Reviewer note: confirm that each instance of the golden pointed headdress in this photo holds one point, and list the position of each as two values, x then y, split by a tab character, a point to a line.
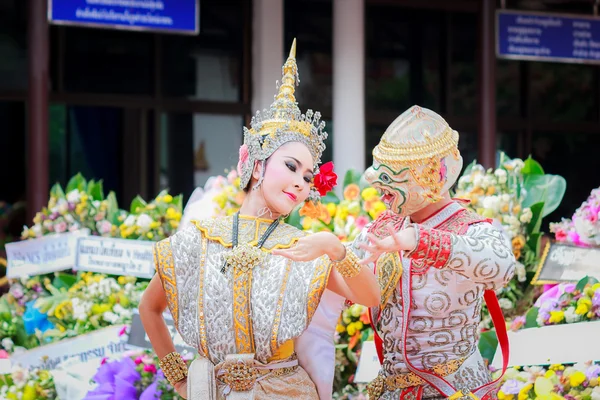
282	123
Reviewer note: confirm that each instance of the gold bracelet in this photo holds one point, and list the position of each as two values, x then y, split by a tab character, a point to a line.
173	367
348	267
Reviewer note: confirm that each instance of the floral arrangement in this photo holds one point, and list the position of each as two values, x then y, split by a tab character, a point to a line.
344	217
85	207
22	384
569	303
352	330
133	377
67	307
578	381
228	196
583	229
518	194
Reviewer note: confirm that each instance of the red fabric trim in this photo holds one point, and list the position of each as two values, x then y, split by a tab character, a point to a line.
433	250
377	339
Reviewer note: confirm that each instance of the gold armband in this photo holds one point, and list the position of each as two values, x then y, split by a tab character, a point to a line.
348	267
174	368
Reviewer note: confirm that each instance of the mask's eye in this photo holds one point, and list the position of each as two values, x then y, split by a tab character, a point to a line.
385	178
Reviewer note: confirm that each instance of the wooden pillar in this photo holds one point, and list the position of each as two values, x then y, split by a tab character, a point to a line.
487	84
37	108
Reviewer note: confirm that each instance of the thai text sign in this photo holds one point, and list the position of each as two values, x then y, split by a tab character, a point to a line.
177	16
103	343
43	255
115	256
567	263
547	37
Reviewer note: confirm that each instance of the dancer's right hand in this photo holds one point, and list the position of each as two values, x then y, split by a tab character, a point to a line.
181	388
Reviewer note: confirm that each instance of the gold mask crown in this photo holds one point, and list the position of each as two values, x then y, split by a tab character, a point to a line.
282	123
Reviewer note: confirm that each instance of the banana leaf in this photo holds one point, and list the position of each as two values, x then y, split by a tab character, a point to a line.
549	189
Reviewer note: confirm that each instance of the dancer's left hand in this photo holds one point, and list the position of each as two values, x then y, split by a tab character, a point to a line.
404	240
313	246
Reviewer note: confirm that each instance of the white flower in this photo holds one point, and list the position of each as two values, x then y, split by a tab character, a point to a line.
505	304
526	216
492	203
69	218
81	309
501	175
37	229
571	316
521	272
596	393
73	196
110	317
8	344
130	221
19	376
144	221
505	197
62	206
478	181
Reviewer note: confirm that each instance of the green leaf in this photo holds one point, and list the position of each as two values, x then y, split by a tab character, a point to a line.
95	190
536	220
352	176
531	318
532	167
469	168
534	242
178	203
64	281
76	183
112	209
549	189
330	197
488	343
57	191
137	205
294	218
588	280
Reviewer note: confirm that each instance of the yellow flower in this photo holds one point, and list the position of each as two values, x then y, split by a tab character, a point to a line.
236	182
596	286
378	208
577	379
340	328
332	208
584	305
491	190
518	242
172	214
29	393
38	218
524	392
307	223
369	193
158	199
516	209
174	224
150	235
593	382
504	396
351	192
351	329
167	198
122	281
556	317
359	325
154	224
549	374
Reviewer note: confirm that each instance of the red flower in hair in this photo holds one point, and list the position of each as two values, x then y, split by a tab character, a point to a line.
326	179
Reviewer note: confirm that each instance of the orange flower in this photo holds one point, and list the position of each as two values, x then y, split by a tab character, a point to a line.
315	211
354	341
364	318
351	192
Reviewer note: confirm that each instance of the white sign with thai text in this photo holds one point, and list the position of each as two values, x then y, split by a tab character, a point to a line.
106	342
43	255
115	256
368	365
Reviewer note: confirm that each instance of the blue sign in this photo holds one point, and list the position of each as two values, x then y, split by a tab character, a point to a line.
177	16
547	37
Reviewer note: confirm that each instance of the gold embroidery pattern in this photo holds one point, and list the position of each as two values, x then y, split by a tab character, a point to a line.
165	266
389	271
242	323
202	320
317	286
277	320
250	230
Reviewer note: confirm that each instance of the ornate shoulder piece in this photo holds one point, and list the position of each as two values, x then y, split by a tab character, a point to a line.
459	222
379	226
389	271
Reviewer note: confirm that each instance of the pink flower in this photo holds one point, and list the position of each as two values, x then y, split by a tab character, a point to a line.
244	155
231	176
443	170
560	235
104	360
3	354
60	227
517	323
150	368
361	221
138	361
123	331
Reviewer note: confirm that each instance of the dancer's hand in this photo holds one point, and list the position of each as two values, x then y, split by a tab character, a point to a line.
313	246
181	388
404	240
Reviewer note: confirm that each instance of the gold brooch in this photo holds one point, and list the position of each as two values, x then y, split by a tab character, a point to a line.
245	257
240	376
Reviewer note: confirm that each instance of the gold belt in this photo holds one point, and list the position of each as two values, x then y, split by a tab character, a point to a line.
242	375
382	383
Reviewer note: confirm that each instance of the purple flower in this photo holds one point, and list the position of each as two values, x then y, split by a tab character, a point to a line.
152	391
593	371
512	386
116	380
596	299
